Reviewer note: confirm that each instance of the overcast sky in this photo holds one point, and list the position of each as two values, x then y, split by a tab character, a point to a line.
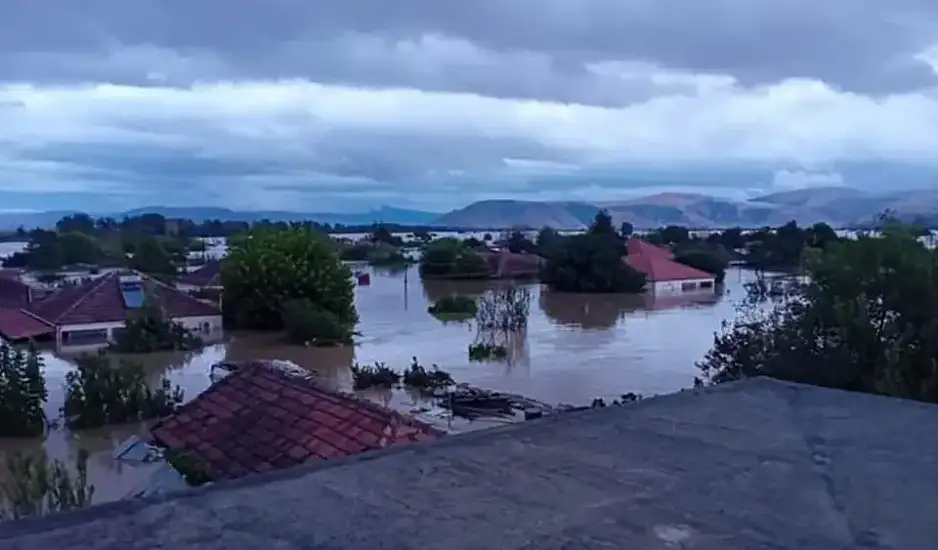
344	105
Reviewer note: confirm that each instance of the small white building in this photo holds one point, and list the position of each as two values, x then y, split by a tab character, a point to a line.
663	273
88	316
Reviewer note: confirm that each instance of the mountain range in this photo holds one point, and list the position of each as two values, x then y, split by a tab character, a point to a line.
837	206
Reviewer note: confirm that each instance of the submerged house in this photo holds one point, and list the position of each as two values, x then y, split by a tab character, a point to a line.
663	273
89	314
505	264
206	277
17	323
261	418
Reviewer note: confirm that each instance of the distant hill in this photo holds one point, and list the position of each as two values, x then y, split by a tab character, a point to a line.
838	206
509	213
386	214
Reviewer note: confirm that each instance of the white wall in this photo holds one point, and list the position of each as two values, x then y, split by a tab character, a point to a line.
677	287
195	324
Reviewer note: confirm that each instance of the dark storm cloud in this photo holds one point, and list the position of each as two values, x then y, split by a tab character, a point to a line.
519	48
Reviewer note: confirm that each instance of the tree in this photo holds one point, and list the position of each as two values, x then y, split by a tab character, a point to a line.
78	223
151	258
268	267
22	392
602	224
704	260
517	243
626	229
548	241
592	262
864	320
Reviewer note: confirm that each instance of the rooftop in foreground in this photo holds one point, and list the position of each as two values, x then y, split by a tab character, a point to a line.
758	464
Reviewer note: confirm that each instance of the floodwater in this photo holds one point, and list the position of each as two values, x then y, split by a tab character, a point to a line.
576	348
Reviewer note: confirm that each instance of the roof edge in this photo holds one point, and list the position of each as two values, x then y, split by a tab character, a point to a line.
13	529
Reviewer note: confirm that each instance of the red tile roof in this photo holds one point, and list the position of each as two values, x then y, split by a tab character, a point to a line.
659	269
207	275
100	301
657	263
13	292
260	418
508	264
645	248
19	324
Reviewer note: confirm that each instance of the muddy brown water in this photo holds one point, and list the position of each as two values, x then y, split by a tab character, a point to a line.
575	348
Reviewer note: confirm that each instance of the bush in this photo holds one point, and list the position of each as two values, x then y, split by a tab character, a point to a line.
97	394
454	305
378	375
705	261
418	376
487	351
307	323
150	330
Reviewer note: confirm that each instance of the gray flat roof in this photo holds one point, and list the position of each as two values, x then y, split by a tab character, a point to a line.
757	464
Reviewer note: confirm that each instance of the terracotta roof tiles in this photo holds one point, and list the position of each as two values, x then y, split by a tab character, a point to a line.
259	418
207	275
100	301
19	324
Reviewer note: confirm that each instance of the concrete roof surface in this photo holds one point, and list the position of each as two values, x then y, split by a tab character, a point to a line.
752	465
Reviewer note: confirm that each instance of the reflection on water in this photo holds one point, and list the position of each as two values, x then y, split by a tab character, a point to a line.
575	348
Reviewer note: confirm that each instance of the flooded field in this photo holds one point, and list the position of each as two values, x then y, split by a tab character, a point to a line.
576	348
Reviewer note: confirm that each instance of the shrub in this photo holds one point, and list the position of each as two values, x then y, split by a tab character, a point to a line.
454	305
307	323
418	376
150	330
97	394
378	375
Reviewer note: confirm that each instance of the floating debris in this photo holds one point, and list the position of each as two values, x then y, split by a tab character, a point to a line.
470	402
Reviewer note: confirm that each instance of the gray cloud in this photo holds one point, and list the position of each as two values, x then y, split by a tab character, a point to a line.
220	102
524	48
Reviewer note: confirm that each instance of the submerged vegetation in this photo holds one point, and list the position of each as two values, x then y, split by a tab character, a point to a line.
454	308
501	316
416	376
22	393
150	330
32	485
97	394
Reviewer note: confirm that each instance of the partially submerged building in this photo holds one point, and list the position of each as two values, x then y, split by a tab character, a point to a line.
663	274
88	315
262	418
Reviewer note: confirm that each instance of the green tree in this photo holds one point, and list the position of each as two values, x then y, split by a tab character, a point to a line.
151	258
602	224
864	320
592	262
22	392
626	229
704	260
268	267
